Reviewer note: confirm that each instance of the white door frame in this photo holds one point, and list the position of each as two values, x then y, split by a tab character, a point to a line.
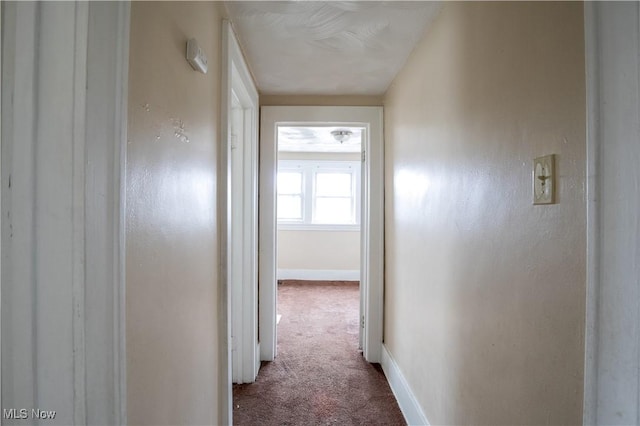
238	222
372	222
612	334
64	122
1	209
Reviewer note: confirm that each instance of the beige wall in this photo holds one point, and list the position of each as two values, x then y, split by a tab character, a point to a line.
172	288
485	293
326	250
319	250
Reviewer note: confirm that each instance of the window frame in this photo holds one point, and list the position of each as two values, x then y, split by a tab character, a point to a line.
309	168
300	195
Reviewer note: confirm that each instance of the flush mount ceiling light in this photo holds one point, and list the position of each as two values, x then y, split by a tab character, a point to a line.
341	135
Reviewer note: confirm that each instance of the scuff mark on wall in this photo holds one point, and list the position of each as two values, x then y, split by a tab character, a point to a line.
179	130
163	126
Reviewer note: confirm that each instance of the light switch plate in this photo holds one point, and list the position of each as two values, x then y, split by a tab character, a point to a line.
544	180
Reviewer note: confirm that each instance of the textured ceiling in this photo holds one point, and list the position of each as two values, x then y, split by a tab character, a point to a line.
328	48
317	139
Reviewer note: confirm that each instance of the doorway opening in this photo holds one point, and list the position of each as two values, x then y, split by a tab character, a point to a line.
368	122
320	226
318	187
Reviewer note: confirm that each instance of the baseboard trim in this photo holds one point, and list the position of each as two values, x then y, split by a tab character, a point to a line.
319	274
407	401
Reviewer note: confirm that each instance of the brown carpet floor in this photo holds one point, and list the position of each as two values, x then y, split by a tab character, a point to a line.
319	377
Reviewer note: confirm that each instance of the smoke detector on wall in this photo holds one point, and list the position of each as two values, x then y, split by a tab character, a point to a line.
196	56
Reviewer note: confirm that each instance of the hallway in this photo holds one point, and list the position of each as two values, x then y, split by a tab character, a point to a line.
508	293
319	376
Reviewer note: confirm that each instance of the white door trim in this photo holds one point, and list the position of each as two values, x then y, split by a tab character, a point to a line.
106	156
63	143
243	277
612	333
372	243
238	186
1	209
592	209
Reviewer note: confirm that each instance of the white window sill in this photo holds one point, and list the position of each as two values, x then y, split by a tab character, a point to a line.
316	227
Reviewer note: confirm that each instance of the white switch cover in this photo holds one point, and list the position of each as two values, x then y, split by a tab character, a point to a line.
544	180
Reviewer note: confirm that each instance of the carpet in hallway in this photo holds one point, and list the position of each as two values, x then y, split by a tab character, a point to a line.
318	377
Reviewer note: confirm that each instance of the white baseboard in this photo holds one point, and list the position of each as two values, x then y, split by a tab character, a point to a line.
319	274
409	406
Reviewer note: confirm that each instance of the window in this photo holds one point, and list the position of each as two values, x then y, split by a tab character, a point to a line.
290	195
318	194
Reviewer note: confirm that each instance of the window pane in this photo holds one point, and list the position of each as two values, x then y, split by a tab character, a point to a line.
290	207
333	210
333	184
289	182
